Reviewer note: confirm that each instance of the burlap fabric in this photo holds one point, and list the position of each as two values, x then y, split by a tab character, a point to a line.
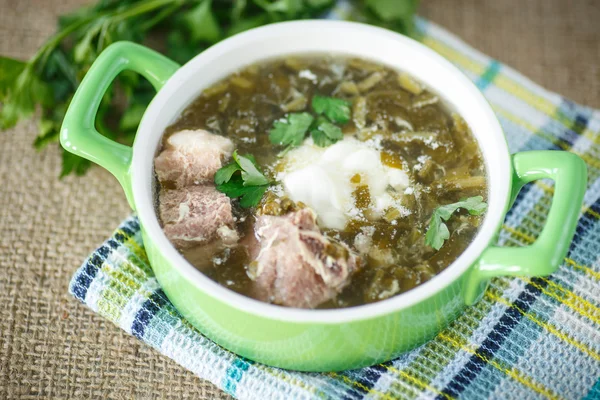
53	347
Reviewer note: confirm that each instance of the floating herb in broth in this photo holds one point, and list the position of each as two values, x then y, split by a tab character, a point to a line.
249	185
437	232
408	165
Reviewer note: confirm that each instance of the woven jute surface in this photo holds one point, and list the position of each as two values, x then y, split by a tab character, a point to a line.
53	347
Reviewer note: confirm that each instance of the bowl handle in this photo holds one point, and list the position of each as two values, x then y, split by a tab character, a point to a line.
545	255
78	134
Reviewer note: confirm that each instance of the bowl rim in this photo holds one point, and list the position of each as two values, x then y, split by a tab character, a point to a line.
140	180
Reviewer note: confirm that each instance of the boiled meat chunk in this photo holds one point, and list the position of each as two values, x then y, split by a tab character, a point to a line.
196	215
295	264
192	157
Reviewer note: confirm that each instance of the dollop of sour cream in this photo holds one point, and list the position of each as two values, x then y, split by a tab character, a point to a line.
322	179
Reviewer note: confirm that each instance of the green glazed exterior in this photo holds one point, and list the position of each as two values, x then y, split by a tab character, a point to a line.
307	346
324	346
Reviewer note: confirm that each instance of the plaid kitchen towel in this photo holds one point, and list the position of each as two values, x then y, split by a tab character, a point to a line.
527	338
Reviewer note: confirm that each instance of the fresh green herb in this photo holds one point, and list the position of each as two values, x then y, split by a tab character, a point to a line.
249	196
437	232
202	23
393	10
224	174
9	71
337	110
49	79
291	131
325	133
396	15
250	173
249	185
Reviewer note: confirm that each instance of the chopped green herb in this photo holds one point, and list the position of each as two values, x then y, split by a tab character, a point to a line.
253	195
202	23
291	132
325	133
250	173
337	110
249	195
249	185
321	139
225	173
437	232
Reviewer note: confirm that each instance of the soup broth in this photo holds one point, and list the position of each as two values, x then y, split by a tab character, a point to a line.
403	153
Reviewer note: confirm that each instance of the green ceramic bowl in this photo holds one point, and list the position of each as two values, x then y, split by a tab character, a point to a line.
323	340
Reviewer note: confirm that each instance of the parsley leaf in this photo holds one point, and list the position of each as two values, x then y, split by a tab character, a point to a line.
337	110
291	132
9	71
225	173
437	232
474	205
325	133
202	23
250	173
234	187
249	195
252	195
396	15
389	10
249	185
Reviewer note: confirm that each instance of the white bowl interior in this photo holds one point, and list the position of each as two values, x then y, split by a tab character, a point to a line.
330	37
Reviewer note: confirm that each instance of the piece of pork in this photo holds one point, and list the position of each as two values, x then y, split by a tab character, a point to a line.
295	264
191	157
197	215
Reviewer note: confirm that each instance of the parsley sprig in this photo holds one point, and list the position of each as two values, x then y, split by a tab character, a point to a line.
438	232
182	28
325	133
292	130
337	110
249	184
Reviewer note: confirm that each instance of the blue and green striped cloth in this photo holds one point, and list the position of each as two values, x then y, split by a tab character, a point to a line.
526	339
